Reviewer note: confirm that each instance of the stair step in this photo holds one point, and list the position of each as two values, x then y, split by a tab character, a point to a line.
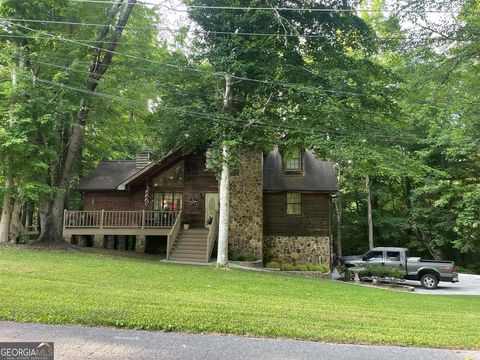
193	253
195	231
194	235
189	246
187	259
191	240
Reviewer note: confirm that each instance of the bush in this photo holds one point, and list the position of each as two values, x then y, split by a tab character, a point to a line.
303	267
273	265
382	272
243	258
346	273
24	239
286	267
469	269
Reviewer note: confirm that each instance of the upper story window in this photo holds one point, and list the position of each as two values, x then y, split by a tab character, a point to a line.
171	177
292	160
294	204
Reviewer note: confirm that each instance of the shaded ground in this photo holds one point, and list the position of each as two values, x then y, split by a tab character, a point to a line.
74	342
63	246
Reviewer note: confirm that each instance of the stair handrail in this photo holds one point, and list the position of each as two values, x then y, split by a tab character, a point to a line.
212	235
172	235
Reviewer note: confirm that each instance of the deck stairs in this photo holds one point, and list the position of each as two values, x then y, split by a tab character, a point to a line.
190	246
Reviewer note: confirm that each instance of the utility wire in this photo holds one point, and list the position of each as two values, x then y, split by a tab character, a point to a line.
245	8
251	34
254	122
180	67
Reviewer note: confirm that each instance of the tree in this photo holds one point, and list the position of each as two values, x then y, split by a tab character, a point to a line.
68	120
278	86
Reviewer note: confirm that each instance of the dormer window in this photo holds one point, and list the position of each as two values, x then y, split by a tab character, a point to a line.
292	161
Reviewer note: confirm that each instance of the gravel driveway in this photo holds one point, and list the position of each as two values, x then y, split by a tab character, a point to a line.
467	285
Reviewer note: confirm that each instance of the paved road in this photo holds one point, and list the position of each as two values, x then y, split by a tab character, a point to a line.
75	342
467	285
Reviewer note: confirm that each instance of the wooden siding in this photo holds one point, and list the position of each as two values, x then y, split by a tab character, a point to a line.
108	200
315	218
197	182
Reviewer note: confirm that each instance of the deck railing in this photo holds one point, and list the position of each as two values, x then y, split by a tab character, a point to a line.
172	236
212	236
101	219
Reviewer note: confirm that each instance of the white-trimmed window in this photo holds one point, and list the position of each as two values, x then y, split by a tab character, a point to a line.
292	160
294	203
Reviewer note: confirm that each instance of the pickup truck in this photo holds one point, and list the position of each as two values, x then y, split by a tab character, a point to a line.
428	272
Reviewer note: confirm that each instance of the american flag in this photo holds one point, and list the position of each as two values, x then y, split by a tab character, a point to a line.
147	195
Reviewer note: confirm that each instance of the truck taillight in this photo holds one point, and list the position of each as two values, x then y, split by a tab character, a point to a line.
454	268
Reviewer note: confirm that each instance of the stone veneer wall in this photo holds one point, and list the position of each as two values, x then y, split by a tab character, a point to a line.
297	249
246	207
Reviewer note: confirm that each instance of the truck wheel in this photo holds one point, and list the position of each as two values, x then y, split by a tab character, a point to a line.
429	281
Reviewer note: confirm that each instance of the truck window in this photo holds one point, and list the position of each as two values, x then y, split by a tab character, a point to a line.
393	255
374	255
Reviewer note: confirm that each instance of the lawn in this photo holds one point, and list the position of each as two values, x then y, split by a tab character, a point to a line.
58	287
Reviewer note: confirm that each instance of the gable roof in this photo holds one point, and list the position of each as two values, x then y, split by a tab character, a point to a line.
317	175
108	175
116	175
155	166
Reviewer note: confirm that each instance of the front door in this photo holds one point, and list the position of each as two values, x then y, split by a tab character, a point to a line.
211	207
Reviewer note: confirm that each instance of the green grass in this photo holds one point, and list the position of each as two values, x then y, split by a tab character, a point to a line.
57	287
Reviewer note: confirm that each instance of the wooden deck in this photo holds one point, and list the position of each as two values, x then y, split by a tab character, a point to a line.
105	222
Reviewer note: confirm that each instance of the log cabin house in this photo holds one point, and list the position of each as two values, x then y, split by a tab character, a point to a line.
280	207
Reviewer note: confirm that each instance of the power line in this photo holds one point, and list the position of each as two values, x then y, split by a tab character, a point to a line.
304	87
204	94
272	8
251	34
288	85
254	122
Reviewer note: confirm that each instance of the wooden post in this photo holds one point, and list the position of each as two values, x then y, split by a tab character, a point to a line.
168	247
369	212
64	218
102	215
143	219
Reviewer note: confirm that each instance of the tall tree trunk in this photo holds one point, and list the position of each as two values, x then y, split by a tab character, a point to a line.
52	211
7	197
224	218
16	226
370	217
338	210
6	212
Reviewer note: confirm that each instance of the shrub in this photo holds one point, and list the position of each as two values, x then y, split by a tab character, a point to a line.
24	239
300	267
286	267
321	267
382	272
243	258
273	265
346	273
469	269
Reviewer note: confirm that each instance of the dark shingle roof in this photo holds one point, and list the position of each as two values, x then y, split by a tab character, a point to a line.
108	175
317	175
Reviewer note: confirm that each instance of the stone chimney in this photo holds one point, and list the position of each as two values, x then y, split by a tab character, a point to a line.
143	159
